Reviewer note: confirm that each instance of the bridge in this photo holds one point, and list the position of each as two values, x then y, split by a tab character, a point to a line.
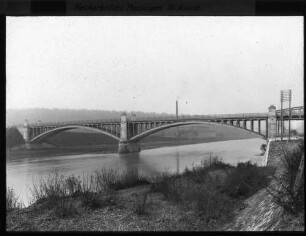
130	130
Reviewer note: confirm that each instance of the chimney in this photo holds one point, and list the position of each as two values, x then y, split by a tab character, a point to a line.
176	109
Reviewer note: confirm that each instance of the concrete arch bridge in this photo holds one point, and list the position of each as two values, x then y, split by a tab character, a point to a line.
129	130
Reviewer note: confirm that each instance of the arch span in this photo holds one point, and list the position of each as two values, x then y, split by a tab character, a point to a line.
69	127
167	126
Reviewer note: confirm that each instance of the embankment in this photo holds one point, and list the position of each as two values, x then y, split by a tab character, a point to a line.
261	213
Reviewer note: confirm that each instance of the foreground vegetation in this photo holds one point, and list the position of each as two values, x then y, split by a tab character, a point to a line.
204	197
288	184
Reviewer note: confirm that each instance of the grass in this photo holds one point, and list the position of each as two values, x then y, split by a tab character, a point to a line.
57	192
212	190
140	203
12	201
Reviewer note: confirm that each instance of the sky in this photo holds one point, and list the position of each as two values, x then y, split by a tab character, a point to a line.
212	65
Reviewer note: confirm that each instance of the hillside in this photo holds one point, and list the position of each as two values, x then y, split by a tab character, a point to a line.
13	137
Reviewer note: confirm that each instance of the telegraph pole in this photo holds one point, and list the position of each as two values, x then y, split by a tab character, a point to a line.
289	113
281	115
285	96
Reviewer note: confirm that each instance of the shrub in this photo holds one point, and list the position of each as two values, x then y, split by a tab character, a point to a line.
109	178
263	148
12	201
88	193
283	190
50	188
200	174
73	185
197	190
170	186
245	180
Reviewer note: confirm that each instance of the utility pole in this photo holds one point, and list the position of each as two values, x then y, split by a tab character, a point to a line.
281	116
285	96
289	113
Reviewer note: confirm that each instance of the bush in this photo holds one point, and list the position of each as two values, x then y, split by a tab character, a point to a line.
73	185
88	192
109	178
200	174
55	192
169	187
245	179
54	189
12	201
239	182
283	191
263	148
50	188
197	190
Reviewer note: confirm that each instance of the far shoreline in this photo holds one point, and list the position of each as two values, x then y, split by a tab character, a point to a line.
108	148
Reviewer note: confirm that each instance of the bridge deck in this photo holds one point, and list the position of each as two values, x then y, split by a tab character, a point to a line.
296	113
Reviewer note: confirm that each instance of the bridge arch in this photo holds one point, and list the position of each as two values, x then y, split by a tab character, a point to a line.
167	126
69	127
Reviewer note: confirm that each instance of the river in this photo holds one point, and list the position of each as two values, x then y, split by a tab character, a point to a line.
21	172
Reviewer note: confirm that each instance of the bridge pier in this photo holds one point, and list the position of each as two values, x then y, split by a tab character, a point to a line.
25	132
126	146
271	122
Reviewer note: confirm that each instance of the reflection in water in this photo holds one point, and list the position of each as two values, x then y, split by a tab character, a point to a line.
130	165
177	162
21	170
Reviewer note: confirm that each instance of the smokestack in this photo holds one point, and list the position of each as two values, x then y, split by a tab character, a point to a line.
176	109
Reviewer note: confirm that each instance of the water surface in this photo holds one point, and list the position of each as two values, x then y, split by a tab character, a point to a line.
22	171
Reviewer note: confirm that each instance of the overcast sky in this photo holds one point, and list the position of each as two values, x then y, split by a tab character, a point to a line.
211	64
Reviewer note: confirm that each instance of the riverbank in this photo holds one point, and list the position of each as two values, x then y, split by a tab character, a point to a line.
201	199
260	211
107	148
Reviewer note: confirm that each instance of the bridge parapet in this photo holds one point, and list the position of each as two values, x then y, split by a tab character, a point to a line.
80	122
294	112
199	117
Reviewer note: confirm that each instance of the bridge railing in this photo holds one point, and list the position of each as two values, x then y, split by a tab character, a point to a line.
200	117
299	108
294	110
79	122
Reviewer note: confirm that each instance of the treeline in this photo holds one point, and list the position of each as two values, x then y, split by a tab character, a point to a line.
17	116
